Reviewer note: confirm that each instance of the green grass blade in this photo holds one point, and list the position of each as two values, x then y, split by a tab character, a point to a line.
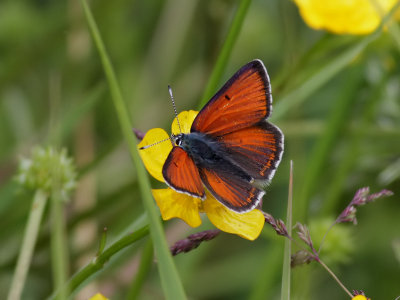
171	283
98	263
73	116
300	94
226	51
59	249
285	290
392	26
337	121
28	245
297	96
353	144
146	262
270	266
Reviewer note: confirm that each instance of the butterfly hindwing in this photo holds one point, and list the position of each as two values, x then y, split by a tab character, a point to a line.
257	150
231	190
242	102
181	173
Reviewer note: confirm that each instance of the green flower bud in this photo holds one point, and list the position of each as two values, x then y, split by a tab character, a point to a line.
47	169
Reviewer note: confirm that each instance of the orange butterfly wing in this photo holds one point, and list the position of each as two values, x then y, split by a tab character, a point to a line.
232	191
257	149
251	147
242	102
181	174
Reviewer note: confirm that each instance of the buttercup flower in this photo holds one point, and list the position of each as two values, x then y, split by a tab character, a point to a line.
98	296
178	205
344	16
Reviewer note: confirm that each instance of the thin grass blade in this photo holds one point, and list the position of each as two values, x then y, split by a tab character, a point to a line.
226	51
285	290
170	281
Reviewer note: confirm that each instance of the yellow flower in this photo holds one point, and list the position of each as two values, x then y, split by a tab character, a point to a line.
98	296
359	297
344	16
178	205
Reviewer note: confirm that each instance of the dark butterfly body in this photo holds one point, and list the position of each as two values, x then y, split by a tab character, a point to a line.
231	148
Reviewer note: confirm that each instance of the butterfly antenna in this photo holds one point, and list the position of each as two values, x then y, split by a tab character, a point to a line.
156	143
173	105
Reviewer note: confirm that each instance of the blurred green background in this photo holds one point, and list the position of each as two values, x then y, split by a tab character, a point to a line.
336	99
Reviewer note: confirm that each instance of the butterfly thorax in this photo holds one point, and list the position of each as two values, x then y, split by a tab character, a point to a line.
201	148
208	153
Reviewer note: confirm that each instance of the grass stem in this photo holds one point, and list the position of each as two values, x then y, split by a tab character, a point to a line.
225	52
335	277
59	257
285	290
146	261
98	262
170	281
28	245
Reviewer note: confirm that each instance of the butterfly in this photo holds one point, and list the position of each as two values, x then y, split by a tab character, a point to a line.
231	150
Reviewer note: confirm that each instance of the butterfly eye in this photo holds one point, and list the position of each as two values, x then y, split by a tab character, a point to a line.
178	141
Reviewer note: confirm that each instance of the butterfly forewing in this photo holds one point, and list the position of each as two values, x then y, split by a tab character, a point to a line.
180	173
242	102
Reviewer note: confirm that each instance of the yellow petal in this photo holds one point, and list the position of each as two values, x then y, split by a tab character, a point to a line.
247	225
186	119
98	296
177	205
154	157
344	16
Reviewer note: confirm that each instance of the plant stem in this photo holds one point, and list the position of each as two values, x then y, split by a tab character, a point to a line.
28	245
285	289
334	277
98	262
324	237
314	254
298	95
59	257
170	280
225	52
146	261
